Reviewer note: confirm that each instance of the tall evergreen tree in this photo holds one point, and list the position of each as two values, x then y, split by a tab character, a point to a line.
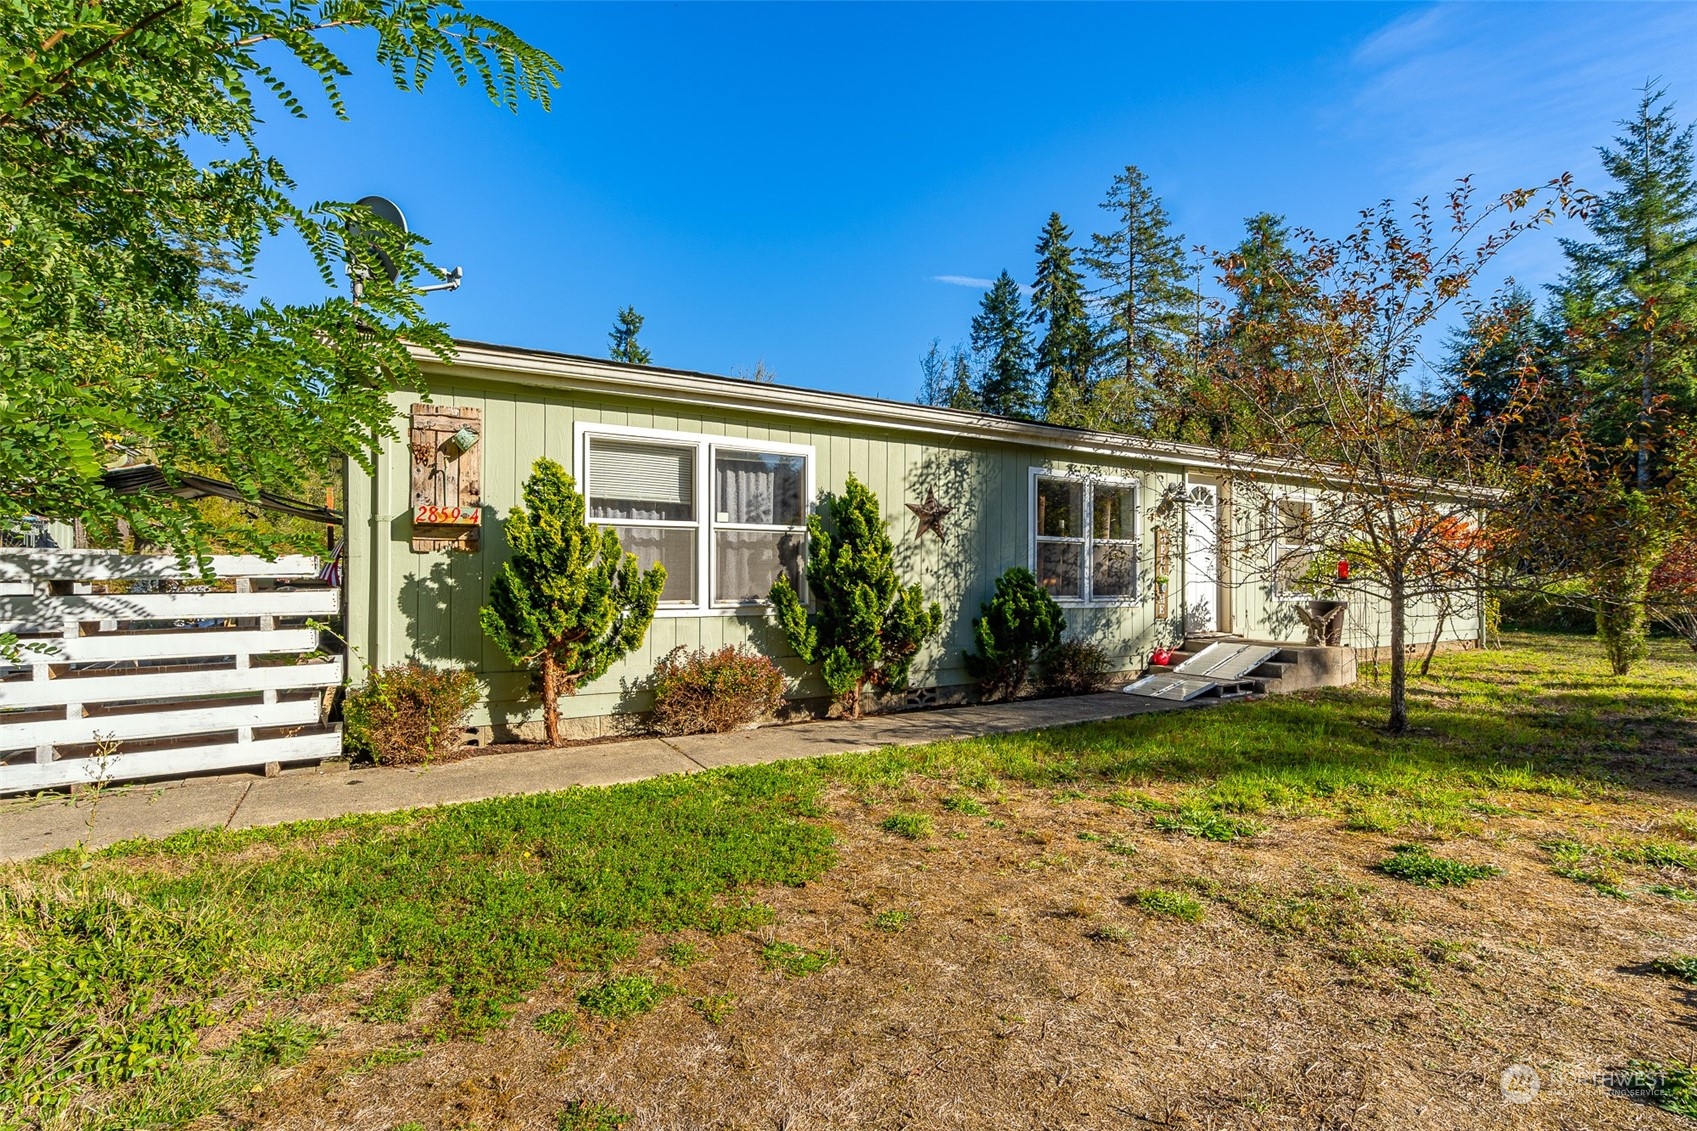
1146	290
946	378
622	343
1630	294
1000	336
1628	305
1488	359
1059	310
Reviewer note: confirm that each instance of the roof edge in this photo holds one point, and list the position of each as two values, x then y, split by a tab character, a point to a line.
545	367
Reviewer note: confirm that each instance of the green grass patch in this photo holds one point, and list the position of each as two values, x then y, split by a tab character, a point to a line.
892	920
913	826
1671	1086
1160	901
796	961
1415	864
966	805
622	996
681	954
1681	966
715	1009
561	1024
1209	824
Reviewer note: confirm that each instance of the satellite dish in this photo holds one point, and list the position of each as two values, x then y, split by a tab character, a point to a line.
390	213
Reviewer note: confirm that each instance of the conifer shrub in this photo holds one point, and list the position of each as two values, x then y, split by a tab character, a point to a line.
1075	667
410	713
866	624
1017	625
569	602
702	692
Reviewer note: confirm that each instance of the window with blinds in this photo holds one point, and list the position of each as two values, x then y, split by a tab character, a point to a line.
646	492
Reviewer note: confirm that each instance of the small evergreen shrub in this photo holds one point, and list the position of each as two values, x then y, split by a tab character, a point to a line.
569	601
865	623
1016	626
704	692
409	713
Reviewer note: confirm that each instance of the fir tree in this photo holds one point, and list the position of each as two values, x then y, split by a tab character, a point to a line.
1630	294
1066	349
1629	310
963	392
1000	337
622	343
1488	360
946	378
867	625
568	603
1151	305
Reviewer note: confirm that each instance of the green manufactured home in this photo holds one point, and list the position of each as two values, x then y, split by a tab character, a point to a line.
1138	540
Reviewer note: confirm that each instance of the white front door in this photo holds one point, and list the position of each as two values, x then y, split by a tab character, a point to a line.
1201	558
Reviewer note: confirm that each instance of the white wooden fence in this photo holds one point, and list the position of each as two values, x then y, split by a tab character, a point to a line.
131	668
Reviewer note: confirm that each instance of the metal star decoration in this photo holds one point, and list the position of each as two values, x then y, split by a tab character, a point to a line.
931	514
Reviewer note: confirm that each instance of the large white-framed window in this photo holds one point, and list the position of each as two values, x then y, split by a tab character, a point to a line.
1084	537
724	516
1293	547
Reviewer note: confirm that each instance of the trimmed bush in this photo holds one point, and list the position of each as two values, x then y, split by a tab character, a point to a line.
409	713
704	692
1075	667
1017	625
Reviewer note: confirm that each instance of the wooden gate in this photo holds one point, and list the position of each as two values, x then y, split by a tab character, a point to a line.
130	666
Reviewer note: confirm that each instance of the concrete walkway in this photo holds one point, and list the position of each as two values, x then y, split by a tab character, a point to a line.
31	826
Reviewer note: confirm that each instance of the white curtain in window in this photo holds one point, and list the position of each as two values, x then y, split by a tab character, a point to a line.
761	490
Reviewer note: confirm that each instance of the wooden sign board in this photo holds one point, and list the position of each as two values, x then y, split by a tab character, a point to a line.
447	484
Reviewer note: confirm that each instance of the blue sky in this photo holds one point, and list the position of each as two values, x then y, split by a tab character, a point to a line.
818	186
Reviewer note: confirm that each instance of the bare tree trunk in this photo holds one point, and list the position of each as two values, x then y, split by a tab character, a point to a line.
551	698
1437	634
1398	723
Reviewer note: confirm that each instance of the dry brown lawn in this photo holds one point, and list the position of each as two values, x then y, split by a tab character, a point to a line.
1028	989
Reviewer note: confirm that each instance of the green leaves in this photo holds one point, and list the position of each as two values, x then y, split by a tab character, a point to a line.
868	625
1017	625
124	333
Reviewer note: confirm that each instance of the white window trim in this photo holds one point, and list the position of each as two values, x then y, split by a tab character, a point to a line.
1276	546
1086	599
707	512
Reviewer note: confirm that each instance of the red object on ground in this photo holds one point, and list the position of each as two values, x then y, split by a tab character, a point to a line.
1343	569
1161	656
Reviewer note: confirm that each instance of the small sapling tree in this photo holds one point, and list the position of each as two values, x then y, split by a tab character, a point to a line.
867	624
1017	625
569	602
